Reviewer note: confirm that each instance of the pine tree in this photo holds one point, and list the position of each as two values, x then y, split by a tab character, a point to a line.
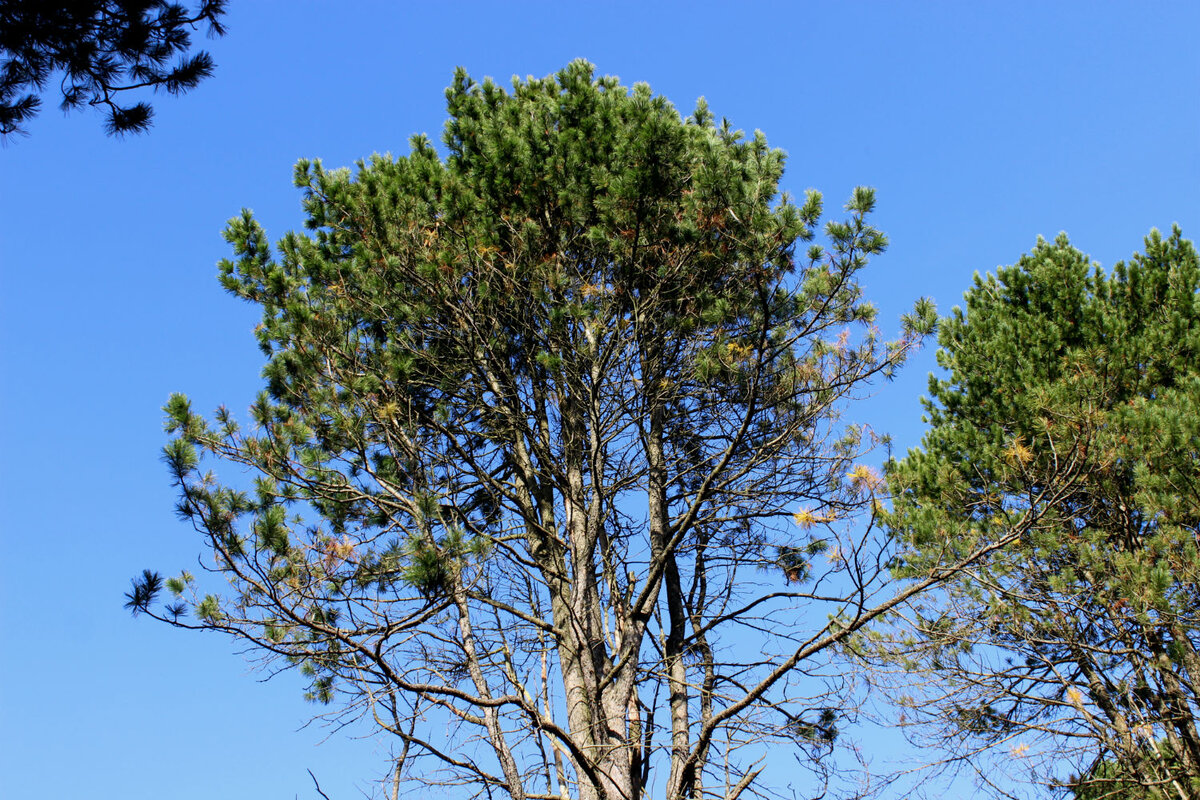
550	447
103	48
1069	416
1108	780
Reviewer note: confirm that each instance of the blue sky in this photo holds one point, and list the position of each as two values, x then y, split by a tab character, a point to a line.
981	124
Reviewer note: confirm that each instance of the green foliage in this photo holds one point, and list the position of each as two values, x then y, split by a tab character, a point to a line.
145	590
103	48
1108	780
529	409
1066	430
824	729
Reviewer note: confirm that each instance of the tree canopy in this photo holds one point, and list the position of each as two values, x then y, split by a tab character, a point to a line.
1068	408
550	483
102	49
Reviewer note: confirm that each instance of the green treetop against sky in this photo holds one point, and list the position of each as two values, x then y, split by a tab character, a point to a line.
979	127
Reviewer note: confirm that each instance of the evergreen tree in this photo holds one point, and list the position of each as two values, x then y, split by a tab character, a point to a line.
103	48
550	447
1068	416
1107	780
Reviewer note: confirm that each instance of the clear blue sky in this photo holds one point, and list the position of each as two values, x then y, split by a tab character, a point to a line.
982	125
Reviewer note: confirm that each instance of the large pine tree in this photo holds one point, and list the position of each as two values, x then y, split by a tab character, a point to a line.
549	447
